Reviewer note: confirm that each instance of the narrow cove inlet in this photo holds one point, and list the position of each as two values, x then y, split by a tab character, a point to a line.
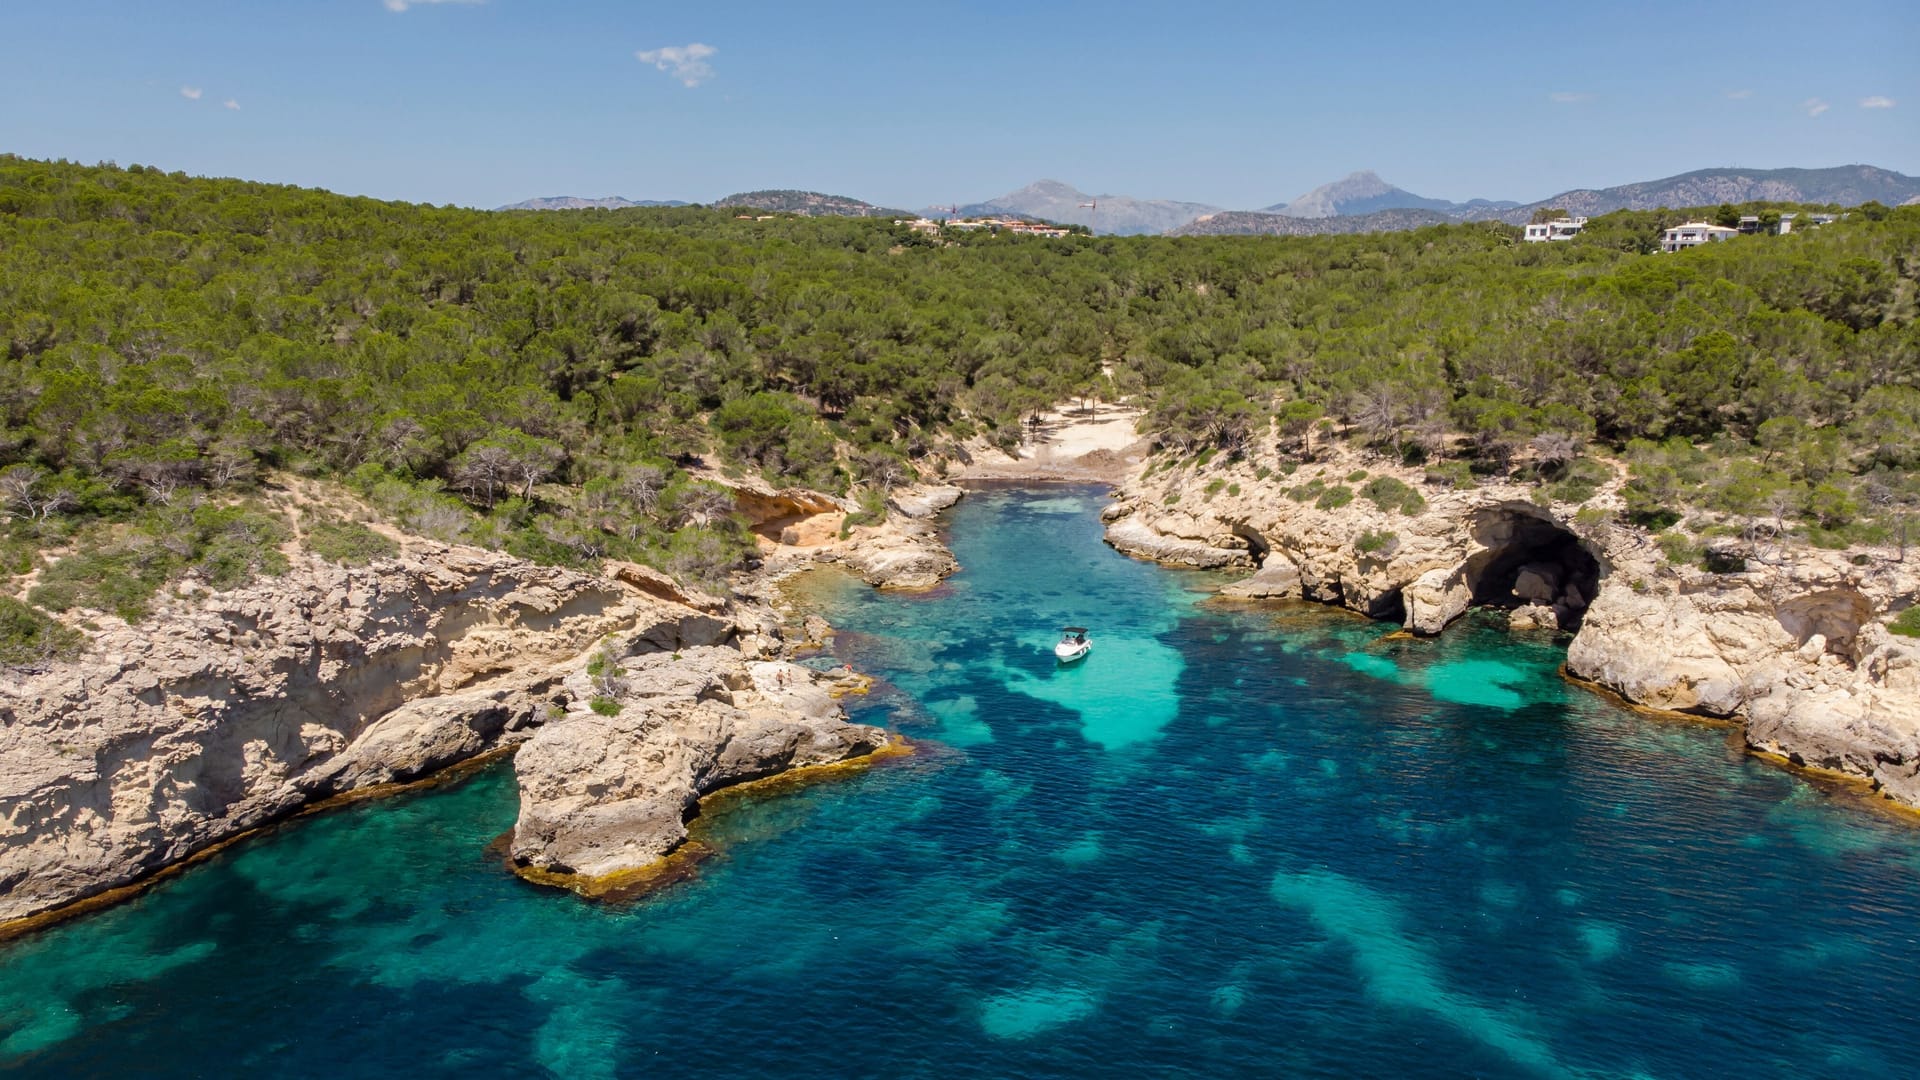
1234	840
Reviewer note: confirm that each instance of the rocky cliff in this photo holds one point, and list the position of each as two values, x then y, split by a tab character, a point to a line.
226	711
1788	639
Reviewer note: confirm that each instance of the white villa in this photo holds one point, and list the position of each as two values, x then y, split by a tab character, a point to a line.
1693	234
1557	229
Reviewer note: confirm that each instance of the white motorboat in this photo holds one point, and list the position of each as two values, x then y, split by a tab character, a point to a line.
1073	644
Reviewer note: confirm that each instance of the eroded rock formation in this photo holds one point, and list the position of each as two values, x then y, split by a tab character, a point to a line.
226	711
1791	641
605	794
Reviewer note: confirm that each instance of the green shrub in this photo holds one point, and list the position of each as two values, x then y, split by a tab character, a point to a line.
1262	473
1454	474
872	511
28	637
1679	548
1335	497
605	706
1580	481
349	543
1390	494
1591	516
1172	499
1907	623
1356	476
1233	489
1213	487
122	580
1370	542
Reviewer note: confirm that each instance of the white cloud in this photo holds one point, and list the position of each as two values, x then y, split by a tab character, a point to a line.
402	5
1877	102
1739	95
1569	97
688	63
232	104
191	93
1814	106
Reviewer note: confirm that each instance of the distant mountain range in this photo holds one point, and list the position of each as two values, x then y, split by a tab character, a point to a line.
575	202
1845	185
808	203
1360	202
1365	196
1121	215
1366	193
1268	223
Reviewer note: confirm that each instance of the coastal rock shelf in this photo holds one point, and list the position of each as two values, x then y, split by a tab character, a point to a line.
1792	642
602	796
226	711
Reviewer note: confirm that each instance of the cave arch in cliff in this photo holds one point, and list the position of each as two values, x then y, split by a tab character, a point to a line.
1529	558
1836	615
1257	547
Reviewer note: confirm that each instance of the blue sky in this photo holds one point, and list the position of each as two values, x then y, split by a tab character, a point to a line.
482	102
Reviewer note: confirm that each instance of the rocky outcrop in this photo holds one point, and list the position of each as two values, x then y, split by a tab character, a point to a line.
606	795
226	711
1861	719
1788	640
904	551
1436	598
1179	543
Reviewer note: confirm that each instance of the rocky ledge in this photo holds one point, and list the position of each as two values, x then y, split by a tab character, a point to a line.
607	792
799	528
1788	640
226	711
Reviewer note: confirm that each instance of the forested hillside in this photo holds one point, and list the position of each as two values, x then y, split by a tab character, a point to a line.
539	381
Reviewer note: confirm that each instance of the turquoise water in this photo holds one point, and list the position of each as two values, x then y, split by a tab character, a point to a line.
1233	841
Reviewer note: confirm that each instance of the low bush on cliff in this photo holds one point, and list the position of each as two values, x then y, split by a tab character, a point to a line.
1390	494
29	638
349	543
872	511
1907	623
1334	497
120	570
1372	542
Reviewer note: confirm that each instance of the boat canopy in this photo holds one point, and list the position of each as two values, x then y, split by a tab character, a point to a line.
1073	629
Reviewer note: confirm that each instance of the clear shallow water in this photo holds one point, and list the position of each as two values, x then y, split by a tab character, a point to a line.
1231	842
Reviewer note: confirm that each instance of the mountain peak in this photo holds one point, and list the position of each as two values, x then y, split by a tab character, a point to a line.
1054	200
1360	192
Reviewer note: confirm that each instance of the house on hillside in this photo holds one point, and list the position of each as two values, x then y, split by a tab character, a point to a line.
1693	234
1557	229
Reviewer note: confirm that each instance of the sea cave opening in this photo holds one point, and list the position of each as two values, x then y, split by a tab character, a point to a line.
1532	566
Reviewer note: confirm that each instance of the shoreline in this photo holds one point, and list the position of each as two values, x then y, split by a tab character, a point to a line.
765	595
682	862
1788	652
27	925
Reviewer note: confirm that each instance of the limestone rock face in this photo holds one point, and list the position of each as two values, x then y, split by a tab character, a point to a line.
1277	579
1135	537
925	502
900	554
604	794
1789	639
225	711
1435	599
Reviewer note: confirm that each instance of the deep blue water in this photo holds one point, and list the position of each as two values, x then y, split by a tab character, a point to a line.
1234	841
